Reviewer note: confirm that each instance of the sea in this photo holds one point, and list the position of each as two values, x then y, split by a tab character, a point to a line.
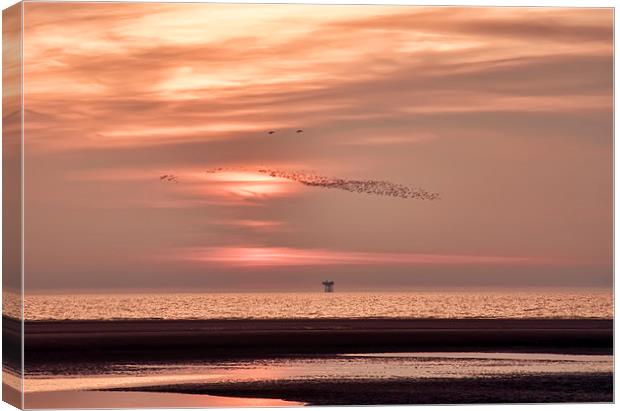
287	305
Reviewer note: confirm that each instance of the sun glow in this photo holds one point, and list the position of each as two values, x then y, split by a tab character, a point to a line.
284	256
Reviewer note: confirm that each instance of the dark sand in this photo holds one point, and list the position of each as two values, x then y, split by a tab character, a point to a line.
176	339
515	389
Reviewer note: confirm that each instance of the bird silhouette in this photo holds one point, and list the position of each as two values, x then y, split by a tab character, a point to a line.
299	131
169	178
214	170
271	132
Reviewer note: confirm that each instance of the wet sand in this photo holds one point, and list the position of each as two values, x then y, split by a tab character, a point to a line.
550	388
175	339
127	399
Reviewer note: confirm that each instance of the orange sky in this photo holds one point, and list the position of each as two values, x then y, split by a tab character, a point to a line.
506	112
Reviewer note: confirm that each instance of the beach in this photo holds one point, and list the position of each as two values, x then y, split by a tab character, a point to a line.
315	361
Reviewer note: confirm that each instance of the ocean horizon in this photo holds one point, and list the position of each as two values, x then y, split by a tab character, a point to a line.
549	304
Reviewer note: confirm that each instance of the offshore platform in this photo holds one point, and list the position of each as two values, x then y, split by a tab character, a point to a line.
329	286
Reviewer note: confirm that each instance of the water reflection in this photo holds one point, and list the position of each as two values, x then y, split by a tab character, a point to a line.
99	400
350	366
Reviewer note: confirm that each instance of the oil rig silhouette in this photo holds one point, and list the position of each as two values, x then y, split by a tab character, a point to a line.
329	286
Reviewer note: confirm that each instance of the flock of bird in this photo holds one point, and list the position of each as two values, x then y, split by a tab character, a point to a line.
169	178
374	187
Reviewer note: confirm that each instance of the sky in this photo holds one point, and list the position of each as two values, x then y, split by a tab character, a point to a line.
505	114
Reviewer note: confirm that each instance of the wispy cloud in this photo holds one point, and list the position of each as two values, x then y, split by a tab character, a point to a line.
283	256
166	82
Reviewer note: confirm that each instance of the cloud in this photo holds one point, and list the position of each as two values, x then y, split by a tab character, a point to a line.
163	86
522	24
391	140
283	256
258	224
